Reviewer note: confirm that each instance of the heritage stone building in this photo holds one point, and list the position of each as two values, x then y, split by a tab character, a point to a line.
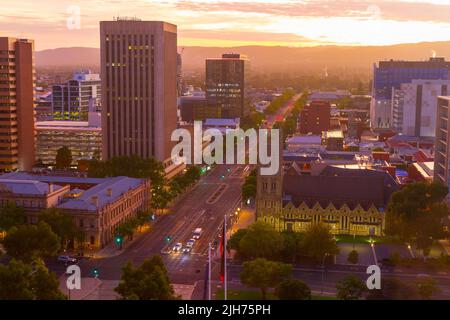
349	201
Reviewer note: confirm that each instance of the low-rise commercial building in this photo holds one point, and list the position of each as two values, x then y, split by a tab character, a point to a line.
98	211
83	138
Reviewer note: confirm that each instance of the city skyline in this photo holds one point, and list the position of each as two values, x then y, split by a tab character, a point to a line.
242	22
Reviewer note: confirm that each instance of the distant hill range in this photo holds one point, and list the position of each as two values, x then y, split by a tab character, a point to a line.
267	58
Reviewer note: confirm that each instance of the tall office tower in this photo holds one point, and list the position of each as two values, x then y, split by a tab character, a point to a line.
225	84
17	84
139	87
442	143
389	75
74	99
414	107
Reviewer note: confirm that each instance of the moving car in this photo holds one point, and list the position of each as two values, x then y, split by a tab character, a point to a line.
177	247
67	259
187	250
190	243
197	233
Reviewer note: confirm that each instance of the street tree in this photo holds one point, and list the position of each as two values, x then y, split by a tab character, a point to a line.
235	239
62	224
20	281
28	242
415	213
292	245
264	274
292	289
353	257
261	241
146	282
11	216
318	242
350	288
394	289
63	158
426	287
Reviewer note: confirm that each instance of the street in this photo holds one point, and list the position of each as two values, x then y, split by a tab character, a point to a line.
193	210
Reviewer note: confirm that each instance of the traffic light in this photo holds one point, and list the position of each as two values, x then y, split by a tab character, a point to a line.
95	272
118	240
168	238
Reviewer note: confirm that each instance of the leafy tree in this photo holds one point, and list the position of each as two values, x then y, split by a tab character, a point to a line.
128	228
426	287
28	242
146	282
293	290
292	245
394	289
264	274
318	242
14	281
415	213
261	241
248	191
249	186
11	216
19	281
279	102
62	224
235	239
350	288
353	257
45	284
192	174
63	158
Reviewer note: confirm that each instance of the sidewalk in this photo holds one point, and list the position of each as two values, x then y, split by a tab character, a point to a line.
112	250
88	286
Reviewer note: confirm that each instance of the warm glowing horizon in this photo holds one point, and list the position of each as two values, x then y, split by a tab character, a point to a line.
219	23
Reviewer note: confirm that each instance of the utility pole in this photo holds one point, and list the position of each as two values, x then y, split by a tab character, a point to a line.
209	271
225	287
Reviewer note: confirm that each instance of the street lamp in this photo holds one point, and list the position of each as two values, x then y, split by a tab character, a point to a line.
323	270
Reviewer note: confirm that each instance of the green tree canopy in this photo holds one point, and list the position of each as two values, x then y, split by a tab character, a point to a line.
292	245
261	241
293	290
146	282
394	289
62	224
264	274
29	242
318	242
415	213
63	158
426	287
350	288
11	216
19	281
353	257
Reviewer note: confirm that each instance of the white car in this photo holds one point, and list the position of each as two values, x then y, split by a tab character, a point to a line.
187	250
177	247
67	259
190	243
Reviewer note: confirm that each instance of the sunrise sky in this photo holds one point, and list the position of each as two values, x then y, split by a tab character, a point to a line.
237	22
